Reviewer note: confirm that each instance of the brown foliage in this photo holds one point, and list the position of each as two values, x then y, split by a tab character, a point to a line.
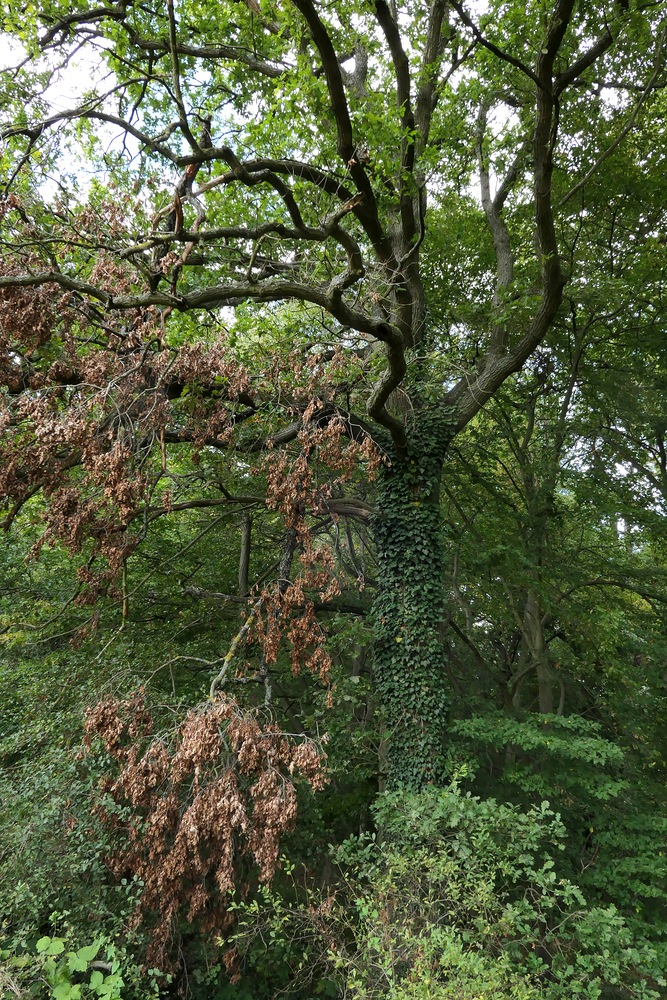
95	400
199	814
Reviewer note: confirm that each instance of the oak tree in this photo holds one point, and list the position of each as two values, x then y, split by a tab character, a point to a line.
317	238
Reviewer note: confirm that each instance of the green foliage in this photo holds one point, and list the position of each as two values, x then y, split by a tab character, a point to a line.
501	616
456	897
561	756
467	897
407	612
99	971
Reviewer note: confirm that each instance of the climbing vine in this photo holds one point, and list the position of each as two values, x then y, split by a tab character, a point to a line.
407	614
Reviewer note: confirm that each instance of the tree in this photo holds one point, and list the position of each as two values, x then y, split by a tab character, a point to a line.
311	226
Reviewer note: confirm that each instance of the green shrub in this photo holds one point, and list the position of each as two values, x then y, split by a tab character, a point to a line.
463	898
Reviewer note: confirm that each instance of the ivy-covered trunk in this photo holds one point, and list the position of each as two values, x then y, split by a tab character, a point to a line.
408	612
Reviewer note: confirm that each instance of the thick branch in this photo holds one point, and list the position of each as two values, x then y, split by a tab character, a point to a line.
64	24
402	73
244	555
215	295
469	396
328	182
430	65
499	232
390	380
176	78
368	213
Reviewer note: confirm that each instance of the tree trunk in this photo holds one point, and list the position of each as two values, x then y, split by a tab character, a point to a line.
538	652
409	674
244	556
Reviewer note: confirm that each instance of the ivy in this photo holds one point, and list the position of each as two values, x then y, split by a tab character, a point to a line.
408	611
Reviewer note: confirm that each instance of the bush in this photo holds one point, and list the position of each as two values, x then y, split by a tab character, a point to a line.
460	897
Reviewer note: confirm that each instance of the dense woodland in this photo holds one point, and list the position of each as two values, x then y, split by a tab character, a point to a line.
333	476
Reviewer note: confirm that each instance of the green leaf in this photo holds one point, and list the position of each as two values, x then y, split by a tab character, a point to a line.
96	979
50	946
67	991
89	952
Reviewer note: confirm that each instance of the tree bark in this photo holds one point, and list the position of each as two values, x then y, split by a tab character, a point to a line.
244	556
538	653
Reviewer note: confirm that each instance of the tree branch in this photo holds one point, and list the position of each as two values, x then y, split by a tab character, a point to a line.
368	212
469	396
659	66
505	56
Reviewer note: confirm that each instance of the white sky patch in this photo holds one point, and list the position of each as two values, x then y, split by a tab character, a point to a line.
82	76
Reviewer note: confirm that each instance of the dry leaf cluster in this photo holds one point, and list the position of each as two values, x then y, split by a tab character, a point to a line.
198	816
